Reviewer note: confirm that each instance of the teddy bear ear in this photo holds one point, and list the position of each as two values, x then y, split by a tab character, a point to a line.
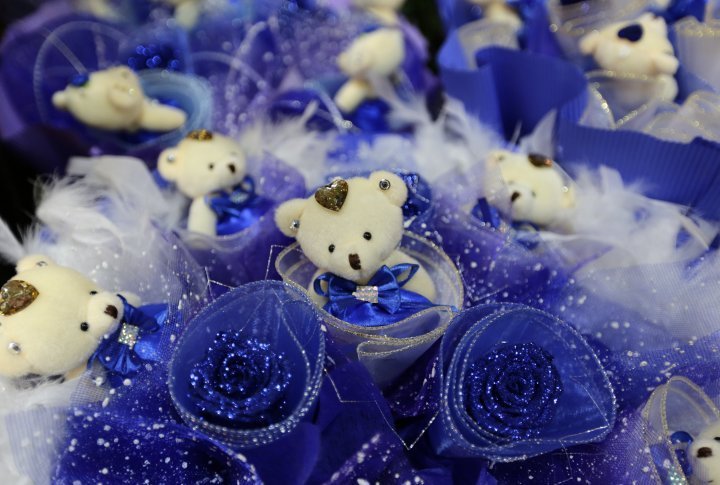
104	313
33	261
590	42
391	186
287	216
168	164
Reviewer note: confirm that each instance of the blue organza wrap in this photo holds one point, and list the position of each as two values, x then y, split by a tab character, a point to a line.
275	321
536	386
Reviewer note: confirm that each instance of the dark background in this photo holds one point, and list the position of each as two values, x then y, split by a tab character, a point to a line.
17	204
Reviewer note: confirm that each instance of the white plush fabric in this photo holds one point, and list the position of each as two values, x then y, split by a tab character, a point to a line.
499	11
367	209
651	55
113	99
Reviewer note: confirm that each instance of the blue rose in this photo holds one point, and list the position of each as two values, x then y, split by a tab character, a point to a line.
240	383
517	382
513	391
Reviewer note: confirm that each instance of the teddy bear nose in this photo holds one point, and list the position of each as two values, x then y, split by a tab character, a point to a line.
111	310
632	32
354	260
515	196
231	166
704	452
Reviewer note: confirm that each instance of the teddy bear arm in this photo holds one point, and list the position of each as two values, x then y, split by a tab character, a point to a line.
352	93
158	117
319	300
420	283
201	218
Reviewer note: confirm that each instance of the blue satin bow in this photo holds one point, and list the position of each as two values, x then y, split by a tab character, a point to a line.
135	342
388	302
238	209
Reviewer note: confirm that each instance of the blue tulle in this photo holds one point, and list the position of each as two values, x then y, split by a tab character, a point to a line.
238	209
134	343
387	303
539	386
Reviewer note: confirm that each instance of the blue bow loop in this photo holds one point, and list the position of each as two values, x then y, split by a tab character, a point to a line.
382	301
135	342
238	209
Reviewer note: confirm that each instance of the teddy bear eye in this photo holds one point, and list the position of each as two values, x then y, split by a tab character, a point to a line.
331	248
211	166
367	236
717	438
84	326
93	292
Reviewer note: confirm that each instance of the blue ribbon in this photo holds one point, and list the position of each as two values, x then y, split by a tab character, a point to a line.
238	209
123	361
393	302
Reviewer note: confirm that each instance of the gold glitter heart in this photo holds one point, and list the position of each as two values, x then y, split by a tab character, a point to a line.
16	295
200	135
333	195
540	161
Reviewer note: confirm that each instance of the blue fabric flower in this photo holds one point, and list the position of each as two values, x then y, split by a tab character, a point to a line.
241	382
516	382
513	391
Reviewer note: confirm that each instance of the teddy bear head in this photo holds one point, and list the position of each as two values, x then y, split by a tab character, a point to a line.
704	454
110	99
202	163
52	319
635	47
539	192
349	227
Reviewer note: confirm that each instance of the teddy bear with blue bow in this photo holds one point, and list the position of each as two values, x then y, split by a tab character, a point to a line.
351	231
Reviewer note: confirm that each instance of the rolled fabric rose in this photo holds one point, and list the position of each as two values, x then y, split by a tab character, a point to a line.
516	382
240	382
249	367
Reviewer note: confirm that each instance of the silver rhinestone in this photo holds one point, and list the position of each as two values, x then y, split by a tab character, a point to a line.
384	184
170	158
369	294
14	348
295	225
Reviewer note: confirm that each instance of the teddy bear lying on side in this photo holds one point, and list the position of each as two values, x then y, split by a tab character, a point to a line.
113	99
351	231
638	47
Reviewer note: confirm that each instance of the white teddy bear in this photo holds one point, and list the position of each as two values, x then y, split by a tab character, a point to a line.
538	192
352	228
704	455
638	47
52	319
499	11
203	163
113	99
375	54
